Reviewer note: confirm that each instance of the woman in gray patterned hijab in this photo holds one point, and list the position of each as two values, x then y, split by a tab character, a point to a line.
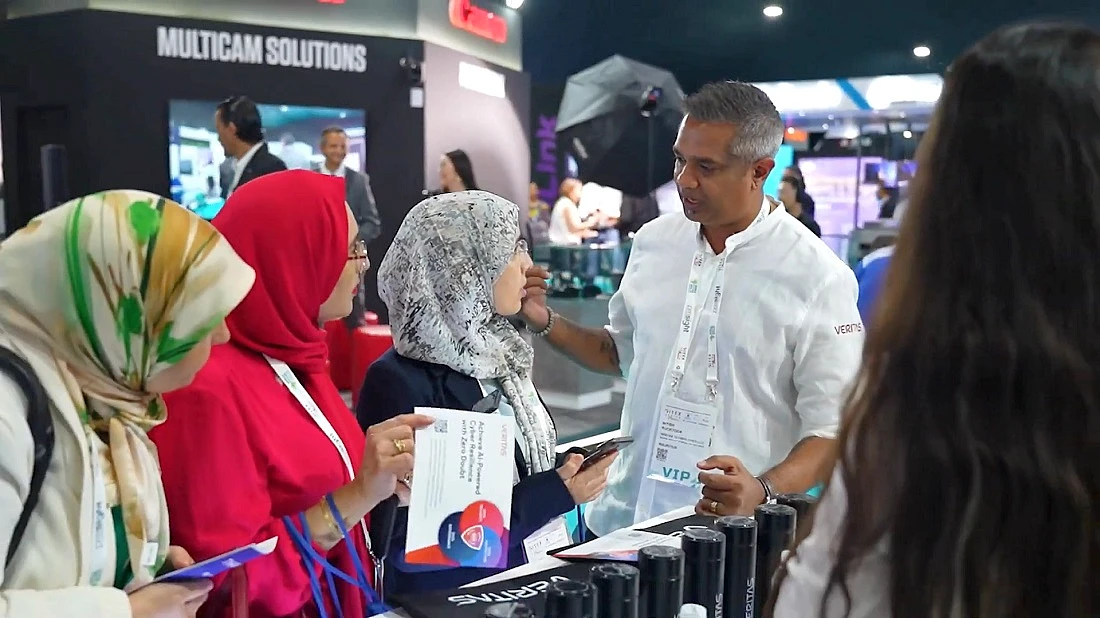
455	270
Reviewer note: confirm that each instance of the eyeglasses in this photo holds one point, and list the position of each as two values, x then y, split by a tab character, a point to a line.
359	253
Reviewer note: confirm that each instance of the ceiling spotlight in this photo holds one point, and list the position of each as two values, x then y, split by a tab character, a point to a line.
773	11
514	4
790	130
922	51
907	134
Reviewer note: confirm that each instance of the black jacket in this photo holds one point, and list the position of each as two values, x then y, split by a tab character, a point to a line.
261	164
395	385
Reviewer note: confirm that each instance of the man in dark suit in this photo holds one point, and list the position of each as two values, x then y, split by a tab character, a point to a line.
334	146
241	132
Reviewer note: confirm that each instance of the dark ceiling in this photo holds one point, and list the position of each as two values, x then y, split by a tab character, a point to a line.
705	40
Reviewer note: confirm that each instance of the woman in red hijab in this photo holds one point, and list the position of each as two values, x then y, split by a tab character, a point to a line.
261	444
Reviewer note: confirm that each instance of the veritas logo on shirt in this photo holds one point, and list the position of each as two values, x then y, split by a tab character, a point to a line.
847	329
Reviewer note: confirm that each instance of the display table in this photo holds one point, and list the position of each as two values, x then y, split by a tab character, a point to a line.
547	563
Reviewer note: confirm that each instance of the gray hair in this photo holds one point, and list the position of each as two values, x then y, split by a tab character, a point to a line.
759	126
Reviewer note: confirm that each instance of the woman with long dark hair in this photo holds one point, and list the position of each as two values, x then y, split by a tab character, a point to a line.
969	478
456	172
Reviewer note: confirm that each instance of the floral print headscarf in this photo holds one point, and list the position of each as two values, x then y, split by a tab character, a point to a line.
116	287
437	282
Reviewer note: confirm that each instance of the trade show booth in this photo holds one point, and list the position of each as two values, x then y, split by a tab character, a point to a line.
854	141
131	97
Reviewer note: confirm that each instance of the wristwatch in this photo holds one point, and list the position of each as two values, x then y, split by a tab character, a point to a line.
769	491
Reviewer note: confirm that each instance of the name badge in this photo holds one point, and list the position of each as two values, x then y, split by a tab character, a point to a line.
682	440
553	535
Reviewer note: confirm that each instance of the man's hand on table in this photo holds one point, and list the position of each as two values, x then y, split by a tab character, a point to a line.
728	488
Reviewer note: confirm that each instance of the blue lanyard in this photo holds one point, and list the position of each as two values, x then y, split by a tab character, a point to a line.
310	557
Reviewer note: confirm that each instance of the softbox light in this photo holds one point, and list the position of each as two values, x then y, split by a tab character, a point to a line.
601	123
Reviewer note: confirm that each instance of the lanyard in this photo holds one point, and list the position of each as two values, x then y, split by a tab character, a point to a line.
101	514
694	310
291	382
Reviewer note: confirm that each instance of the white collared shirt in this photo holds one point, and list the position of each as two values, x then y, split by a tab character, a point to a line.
339	172
242	163
789	342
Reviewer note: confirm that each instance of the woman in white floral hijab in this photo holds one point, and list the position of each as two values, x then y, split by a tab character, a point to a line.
110	299
456	269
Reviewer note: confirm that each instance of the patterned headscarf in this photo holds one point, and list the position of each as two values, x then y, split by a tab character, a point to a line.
437	281
116	287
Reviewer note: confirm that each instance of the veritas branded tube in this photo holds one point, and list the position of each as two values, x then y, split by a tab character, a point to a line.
616	590
803	504
704	557
775	525
740	533
570	599
661	571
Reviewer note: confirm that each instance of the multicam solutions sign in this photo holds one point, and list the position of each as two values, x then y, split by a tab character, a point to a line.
244	48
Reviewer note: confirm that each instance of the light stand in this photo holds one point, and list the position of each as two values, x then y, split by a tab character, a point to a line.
648	105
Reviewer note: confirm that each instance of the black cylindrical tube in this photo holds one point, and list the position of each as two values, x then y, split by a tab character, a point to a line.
570	599
661	574
803	504
775	525
704	557
509	610
616	590
740	533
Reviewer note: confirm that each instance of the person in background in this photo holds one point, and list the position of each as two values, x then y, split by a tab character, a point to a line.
772	305
360	198
455	271
108	301
887	200
871	274
261	444
566	226
968	479
456	172
788	195
804	198
294	154
241	133
538	218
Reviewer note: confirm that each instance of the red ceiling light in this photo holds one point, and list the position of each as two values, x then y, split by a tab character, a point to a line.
478	21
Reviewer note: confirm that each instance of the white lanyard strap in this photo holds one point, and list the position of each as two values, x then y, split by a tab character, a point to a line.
291	382
694	309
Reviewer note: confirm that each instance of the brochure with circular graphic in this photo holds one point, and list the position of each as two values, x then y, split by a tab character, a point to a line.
476	537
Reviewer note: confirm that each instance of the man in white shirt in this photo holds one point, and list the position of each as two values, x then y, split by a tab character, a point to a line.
736	328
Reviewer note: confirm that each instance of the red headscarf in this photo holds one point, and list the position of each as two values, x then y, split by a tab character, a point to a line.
292	228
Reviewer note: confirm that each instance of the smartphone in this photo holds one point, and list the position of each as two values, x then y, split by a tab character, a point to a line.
604	449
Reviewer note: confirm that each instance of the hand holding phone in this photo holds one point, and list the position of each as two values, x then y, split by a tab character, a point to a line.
604	449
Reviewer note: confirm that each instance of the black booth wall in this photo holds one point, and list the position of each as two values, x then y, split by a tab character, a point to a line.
100	75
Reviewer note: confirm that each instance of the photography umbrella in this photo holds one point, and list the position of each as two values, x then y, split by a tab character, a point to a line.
618	119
